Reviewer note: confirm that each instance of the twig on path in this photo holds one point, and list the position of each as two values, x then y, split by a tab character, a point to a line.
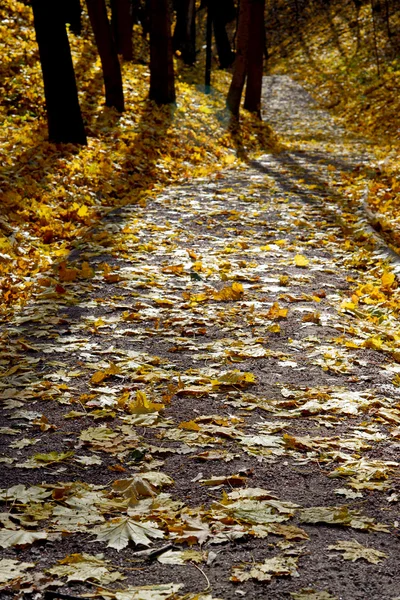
152	554
204	575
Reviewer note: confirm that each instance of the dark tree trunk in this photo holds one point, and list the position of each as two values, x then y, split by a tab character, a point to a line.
184	38
62	105
72	15
162	81
108	53
240	65
252	99
208	47
121	22
222	12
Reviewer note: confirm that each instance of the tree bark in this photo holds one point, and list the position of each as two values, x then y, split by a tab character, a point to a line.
184	38
241	59
222	11
162	80
72	15
121	22
252	99
63	112
208	47
108	53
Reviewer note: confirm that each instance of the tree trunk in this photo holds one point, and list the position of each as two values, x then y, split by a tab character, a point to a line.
222	12
72	15
63	112
210	10
184	38
121	22
162	82
108	53
252	99
240	65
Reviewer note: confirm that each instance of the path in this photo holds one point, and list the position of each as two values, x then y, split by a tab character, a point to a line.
220	361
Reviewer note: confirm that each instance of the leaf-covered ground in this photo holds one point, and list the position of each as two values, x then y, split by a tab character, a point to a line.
202	400
347	54
51	194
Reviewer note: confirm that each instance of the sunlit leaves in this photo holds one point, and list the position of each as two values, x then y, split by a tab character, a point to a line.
142	405
301	261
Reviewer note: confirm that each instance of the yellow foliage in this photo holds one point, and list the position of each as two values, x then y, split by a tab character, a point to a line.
142	405
301	261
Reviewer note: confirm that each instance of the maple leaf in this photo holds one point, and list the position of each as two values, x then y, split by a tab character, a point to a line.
100	376
81	567
53	457
190	530
301	261
20	537
20	493
226	294
142	405
353	550
278	566
135	488
12	569
164	591
119	531
276	312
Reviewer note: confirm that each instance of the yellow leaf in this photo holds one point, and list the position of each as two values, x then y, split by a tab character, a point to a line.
189	425
122	400
82	211
276	312
163	302
67	274
301	261
86	271
374	343
226	294
388	279
100	376
142	405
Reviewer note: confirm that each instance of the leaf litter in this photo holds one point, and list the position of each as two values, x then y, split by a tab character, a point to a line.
176	394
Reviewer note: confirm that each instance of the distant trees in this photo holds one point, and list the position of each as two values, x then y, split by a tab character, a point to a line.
115	38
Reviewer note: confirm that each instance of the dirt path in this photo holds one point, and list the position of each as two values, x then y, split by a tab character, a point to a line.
229	352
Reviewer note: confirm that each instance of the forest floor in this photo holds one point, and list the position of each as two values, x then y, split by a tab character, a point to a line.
207	401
